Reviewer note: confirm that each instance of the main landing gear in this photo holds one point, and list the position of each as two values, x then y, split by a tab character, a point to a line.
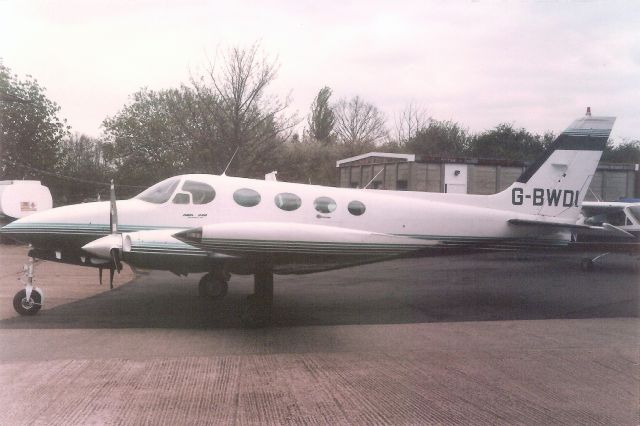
214	285
255	310
587	264
29	300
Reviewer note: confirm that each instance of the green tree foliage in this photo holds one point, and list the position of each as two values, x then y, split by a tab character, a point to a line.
152	137
625	152
322	119
359	127
30	130
196	127
310	162
439	139
506	142
82	170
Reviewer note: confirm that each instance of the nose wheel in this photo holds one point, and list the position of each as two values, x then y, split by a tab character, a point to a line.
29	300
27	304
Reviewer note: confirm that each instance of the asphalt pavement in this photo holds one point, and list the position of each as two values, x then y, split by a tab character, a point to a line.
495	338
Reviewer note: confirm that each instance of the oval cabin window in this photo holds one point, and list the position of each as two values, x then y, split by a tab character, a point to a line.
356	208
288	201
324	204
246	197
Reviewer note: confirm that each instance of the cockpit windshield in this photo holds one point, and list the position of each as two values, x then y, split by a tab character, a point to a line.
160	192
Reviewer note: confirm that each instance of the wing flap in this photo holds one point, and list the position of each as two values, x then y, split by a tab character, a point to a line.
605	228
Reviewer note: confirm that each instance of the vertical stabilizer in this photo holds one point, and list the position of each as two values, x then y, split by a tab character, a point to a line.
556	183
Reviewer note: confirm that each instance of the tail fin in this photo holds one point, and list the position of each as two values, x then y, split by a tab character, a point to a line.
556	183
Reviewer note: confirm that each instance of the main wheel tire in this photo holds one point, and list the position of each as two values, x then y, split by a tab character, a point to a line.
211	287
255	313
25	306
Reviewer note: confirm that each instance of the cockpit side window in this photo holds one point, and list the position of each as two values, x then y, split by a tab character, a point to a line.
617	218
201	193
160	192
181	198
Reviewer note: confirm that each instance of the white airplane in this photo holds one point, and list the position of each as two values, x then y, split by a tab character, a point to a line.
225	225
623	216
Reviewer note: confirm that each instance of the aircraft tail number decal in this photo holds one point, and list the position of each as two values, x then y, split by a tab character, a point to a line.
545	197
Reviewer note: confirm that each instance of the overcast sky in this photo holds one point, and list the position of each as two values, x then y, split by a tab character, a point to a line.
534	64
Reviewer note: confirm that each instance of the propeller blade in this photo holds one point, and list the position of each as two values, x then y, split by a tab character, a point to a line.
115	259
100	275
113	213
111	272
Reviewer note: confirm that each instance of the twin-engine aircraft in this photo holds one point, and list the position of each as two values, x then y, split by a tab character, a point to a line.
221	225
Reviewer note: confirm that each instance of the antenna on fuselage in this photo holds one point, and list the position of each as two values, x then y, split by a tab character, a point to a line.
365	187
224	173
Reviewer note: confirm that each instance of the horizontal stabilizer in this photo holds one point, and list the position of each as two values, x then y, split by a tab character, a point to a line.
617	231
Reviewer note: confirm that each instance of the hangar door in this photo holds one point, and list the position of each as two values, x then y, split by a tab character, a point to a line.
455	178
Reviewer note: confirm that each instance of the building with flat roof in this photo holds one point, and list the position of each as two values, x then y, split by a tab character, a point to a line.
409	172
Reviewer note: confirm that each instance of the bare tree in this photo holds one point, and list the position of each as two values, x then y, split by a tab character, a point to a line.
245	117
359	123
409	122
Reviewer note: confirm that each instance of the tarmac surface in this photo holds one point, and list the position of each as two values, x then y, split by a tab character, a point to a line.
496	338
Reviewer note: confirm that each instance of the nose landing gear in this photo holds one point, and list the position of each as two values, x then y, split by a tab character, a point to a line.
27	304
29	300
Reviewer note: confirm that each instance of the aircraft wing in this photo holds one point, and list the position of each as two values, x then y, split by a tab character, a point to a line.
606	228
291	248
283	242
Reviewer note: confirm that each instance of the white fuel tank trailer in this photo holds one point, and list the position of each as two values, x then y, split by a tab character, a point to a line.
20	198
